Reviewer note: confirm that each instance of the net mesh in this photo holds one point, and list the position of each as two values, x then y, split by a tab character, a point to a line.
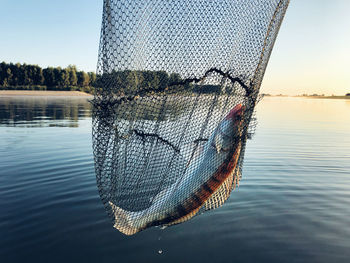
177	85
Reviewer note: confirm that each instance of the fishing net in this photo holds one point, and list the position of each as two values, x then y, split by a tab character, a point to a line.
171	75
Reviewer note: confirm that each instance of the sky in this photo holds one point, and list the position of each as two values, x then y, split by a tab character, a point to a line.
312	50
311	53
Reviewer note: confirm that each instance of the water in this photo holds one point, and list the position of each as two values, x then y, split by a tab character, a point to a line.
293	204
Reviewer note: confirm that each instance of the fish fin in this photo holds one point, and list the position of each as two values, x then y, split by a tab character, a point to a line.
184	218
123	220
237	179
222	193
219	197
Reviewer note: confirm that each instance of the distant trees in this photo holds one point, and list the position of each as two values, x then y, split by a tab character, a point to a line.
23	76
132	81
135	81
20	75
72	71
33	77
83	79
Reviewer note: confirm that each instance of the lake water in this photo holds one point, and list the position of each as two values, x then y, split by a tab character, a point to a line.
293	203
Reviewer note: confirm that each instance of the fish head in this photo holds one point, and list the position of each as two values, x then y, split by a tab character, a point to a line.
229	131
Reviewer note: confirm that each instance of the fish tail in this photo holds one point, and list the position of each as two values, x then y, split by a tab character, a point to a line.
124	220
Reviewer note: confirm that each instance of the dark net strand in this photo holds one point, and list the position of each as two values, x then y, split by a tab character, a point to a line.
169	72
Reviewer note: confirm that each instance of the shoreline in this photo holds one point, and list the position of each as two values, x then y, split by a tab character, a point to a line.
44	93
328	97
310	97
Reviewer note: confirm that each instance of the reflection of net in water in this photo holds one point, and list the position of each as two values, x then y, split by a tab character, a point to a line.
169	73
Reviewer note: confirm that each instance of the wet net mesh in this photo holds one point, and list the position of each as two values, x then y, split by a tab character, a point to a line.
169	72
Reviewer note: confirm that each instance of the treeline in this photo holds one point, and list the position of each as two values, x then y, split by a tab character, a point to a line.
135	81
33	77
132	81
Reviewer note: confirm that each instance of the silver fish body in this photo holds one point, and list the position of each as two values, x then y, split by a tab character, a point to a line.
203	176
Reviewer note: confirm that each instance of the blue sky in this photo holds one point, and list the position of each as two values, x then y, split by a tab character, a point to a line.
311	54
51	33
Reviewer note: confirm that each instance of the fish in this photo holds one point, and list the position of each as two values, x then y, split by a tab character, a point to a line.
202	178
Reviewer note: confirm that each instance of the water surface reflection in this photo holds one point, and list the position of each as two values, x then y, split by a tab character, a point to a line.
43	111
